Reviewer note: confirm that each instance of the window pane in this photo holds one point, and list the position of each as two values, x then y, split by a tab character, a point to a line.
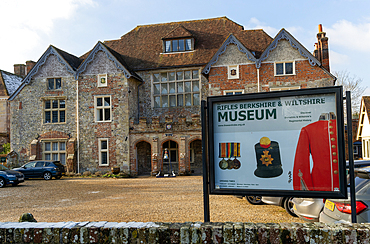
55	146
164	101
47	104
172	101
157	102
107	101
180	75
171	76
155	77
62	103
62	146
195	74
55	103
173	155
188	86
58	83
180	100
187	75
47	146
47	156
55	116
289	68
163	77
107	114
99	101
55	156
196	99
47	116
104	158
229	93
50	84
175	46
103	144
180	87
62	158
172	87
195	86
236	93
168	46
164	88
173	144
187	99
279	69
188	44
156	88
99	114
181	45
62	116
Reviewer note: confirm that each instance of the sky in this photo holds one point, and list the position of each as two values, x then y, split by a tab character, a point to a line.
75	26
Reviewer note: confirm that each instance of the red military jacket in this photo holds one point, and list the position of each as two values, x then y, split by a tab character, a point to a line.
318	139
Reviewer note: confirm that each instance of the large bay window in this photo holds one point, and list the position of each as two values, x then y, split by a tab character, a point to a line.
176	88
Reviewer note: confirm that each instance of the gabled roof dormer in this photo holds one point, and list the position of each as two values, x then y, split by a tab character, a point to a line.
363	129
115	57
285	35
231	39
70	62
178	40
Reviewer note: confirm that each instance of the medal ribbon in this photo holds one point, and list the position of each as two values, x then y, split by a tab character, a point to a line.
228	150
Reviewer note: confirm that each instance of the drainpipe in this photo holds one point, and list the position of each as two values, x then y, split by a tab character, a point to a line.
258	80
78	129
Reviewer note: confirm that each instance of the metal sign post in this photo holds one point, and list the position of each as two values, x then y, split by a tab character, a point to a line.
205	162
350	158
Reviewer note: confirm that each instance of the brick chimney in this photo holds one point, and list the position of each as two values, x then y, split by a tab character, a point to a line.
29	65
321	52
20	70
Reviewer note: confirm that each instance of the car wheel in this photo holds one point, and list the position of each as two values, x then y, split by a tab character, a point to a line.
47	175
288	205
2	183
255	200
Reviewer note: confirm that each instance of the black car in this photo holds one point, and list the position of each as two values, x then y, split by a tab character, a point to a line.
42	169
8	176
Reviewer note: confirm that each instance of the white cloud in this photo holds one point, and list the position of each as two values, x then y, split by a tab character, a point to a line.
350	36
254	23
24	22
338	58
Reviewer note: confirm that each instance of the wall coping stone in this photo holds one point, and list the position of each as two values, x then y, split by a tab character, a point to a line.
188	232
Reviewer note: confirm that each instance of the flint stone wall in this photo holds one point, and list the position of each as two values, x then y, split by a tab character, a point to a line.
189	232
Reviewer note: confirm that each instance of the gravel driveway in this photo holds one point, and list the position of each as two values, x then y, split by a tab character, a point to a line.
150	199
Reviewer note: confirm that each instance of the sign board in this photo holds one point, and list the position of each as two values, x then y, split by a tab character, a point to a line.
286	143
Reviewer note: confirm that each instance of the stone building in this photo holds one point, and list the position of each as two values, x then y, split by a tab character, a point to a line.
126	100
8	85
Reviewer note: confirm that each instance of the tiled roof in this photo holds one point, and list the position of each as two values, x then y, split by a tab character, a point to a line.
72	60
9	83
142	48
178	32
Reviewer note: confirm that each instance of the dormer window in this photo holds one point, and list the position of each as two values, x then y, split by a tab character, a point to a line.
178	45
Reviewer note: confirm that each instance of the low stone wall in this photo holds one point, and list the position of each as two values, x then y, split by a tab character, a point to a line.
136	232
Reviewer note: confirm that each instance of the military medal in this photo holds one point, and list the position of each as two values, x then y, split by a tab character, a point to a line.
229	150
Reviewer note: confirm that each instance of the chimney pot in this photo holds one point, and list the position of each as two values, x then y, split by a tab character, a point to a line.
320	28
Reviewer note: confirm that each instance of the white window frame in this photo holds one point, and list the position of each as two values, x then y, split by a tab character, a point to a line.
233	92
157	88
103	107
101	150
229	75
57	152
102	77
284	88
51	110
284	71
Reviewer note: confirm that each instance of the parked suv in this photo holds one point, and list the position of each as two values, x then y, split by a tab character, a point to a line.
8	176
42	169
